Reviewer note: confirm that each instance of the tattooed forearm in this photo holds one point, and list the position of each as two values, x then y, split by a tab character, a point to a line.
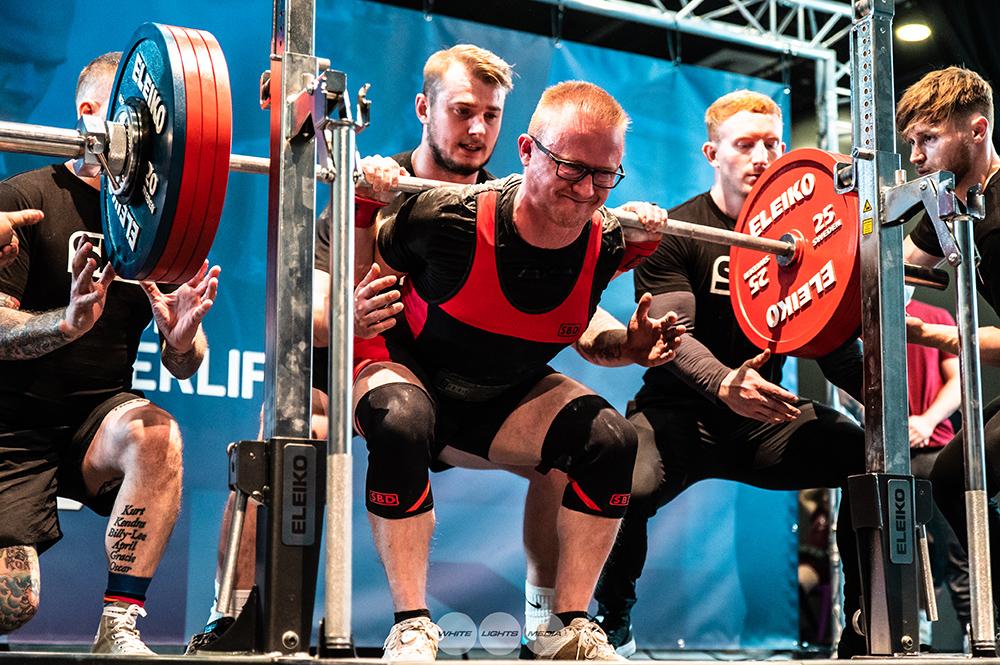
604	348
124	535
19	586
603	341
184	365
25	335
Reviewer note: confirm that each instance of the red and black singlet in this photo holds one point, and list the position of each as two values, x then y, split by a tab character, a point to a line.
493	328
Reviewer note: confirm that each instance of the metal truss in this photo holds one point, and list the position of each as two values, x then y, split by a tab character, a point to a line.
805	29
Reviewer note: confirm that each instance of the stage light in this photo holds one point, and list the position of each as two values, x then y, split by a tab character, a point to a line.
913	32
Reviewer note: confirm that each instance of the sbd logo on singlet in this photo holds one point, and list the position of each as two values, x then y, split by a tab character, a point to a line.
568	330
619	499
383	499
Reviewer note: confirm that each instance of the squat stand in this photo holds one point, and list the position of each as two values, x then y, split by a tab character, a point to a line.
887	505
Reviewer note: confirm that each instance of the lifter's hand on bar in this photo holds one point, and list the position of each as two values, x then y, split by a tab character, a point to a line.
380	178
652	217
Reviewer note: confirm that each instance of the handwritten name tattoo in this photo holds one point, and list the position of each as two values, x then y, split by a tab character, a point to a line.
127	531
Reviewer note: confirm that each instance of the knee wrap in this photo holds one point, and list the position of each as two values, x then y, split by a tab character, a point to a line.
596	447
397	421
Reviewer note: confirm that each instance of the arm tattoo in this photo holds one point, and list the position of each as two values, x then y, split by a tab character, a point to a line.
25	335
606	346
183	365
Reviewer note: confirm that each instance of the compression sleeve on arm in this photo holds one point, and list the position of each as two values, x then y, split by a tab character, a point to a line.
693	362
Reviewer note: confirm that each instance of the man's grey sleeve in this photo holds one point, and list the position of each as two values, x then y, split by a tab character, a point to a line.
694	363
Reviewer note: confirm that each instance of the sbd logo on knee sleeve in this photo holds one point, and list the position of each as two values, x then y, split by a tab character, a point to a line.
619	499
383	498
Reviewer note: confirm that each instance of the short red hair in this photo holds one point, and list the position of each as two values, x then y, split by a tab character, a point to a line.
727	106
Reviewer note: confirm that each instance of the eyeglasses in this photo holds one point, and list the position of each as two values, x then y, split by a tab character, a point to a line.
575	172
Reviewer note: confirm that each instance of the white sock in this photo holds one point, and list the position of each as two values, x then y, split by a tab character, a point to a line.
214	614
237	600
538	602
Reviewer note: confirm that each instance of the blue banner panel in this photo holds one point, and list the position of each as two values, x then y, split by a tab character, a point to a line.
721	572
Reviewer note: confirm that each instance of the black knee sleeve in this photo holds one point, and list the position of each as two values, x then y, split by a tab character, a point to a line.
397	421
595	446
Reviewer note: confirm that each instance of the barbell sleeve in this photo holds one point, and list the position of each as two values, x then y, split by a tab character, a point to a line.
40	140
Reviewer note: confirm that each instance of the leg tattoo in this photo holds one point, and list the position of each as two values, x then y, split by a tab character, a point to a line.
124	535
20	585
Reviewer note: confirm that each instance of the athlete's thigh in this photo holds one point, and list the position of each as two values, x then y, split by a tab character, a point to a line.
382	373
119	421
519	440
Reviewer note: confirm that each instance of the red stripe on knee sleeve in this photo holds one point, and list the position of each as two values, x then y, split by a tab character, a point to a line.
419	502
587	501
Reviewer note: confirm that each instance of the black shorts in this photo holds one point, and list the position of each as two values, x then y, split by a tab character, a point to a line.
469	425
38	465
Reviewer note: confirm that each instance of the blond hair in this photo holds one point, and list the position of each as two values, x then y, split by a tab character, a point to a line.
942	95
727	106
578	98
485	65
95	73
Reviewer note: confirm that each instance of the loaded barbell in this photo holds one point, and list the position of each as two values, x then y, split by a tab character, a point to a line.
794	269
165	151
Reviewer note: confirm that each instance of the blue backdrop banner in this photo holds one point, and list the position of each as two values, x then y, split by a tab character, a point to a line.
721	572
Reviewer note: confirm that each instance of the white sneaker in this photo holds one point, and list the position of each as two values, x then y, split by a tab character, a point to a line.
412	640
117	634
582	639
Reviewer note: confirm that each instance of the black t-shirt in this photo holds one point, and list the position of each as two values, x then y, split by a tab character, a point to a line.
986	234
61	387
702	268
432	239
322	253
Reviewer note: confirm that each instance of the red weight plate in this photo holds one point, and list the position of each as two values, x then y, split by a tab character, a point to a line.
217	103
224	118
186	252
188	212
812	306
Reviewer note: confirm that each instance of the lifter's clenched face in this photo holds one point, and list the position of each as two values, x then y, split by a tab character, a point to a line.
745	144
591	145
461	120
